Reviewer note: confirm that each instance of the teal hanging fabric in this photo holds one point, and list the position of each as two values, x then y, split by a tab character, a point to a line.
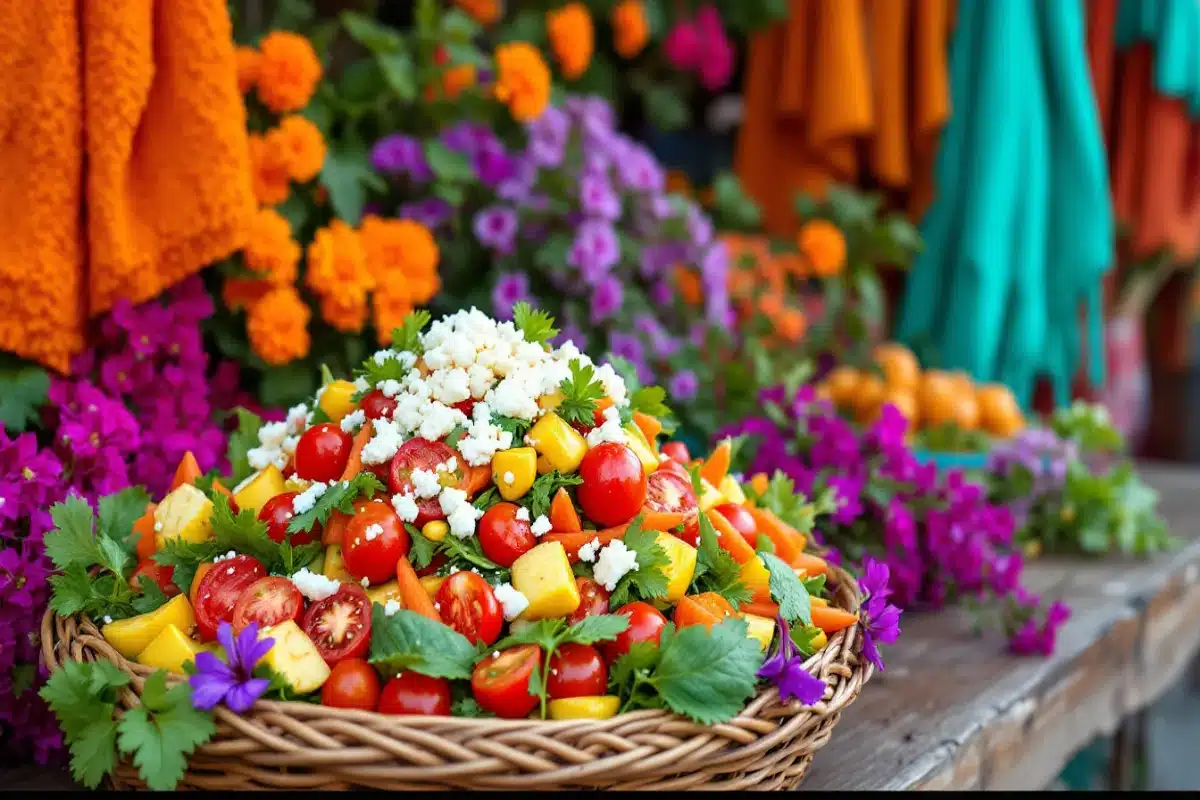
1021	230
1172	28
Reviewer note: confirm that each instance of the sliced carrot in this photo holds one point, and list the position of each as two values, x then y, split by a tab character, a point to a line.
563	516
571	542
831	619
335	526
662	520
705	609
412	593
810	564
650	426
716	466
788	541
475	479
143	528
354	464
219	488
729	538
187	471
601	405
760	483
762	608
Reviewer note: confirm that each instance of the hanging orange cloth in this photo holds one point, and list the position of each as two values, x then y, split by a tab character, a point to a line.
841	91
124	156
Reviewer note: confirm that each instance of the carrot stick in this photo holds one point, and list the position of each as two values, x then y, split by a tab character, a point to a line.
412	592
760	483
662	520
144	528
729	538
354	464
219	488
571	542
831	619
335	526
187	471
810	564
762	608
788	542
716	466
650	426
563	516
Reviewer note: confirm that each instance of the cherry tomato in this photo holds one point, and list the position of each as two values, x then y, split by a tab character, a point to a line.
377	405
667	491
577	670
268	601
502	536
741	520
352	683
614	484
593	600
645	625
374	540
501	683
278	512
677	452
322	452
467	604
467	406
340	625
423	454
156	572
414	693
220	589
691	530
673	467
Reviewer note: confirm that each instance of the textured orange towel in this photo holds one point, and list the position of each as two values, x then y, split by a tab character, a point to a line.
124	156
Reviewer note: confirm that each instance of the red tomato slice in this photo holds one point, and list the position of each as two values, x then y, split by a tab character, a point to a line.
340	625
220	590
502	536
645	625
423	454
277	513
374	540
500	683
376	405
593	601
614	484
147	568
268	601
577	670
352	683
668	492
414	693
676	451
467	604
674	467
322	452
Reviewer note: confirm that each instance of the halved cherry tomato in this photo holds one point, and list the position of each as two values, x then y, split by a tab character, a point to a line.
352	683
741	520
156	572
278	512
577	670
500	683
645	625
614	484
374	540
220	590
676	451
377	405
423	454
563	516
691	530
668	492
340	625
503	537
268	601
467	604
593	600
414	693
675	468
322	452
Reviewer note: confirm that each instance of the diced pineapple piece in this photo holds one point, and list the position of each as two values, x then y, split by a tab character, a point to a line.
170	650
683	565
130	636
335	565
431	583
514	471
295	658
756	577
254	492
544	576
544	467
186	514
732	490
635	440
384	592
562	446
602	706
710	496
294	483
551	401
760	628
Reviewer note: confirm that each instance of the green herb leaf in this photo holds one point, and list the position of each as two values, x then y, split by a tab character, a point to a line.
408	335
184	558
338	497
517	427
814	586
119	511
707	676
648	581
467	553
241	442
781	498
83	696
544	633
421	551
23	388
763	544
151	597
788	590
642	656
73	592
580	392
541	494
292	559
467	707
163	731
697	481
805	637
596	628
716	570
408	641
649	400
536	325
72	542
244	533
487	498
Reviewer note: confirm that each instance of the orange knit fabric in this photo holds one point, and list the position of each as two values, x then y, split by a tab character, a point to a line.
125	160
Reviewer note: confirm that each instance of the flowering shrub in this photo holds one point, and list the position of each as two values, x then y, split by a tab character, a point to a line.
938	534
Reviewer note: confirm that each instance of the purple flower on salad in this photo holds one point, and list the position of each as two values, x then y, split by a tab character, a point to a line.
786	670
231	680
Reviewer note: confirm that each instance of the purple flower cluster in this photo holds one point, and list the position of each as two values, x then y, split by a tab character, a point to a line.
938	535
1029	468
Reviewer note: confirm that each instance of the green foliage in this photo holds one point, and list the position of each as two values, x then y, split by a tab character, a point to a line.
541	494
580	393
649	580
408	641
716	570
23	388
536	325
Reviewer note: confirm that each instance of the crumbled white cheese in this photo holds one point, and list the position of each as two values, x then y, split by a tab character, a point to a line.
449	465
224	556
361	385
366	583
382	356
158	526
523	514
509	478
483	439
438	420
391	607
390	388
609	431
107	619
383	444
230	571
425	483
354	420
297	416
308	498
511	601
588	551
373	530
313	585
405	506
540	526
462	520
614	384
615	560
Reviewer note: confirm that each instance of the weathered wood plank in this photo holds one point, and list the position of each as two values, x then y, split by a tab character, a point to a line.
958	712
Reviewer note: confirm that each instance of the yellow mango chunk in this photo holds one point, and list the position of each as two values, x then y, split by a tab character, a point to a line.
755	576
710	496
337	400
295	484
514	471
130	636
295	657
732	490
551	401
562	446
254	492
170	650
635	440
335	565
186	514
683	565
384	592
544	467
760	628
544	576
601	706
431	583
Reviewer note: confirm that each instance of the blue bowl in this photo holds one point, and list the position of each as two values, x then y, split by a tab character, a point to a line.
947	461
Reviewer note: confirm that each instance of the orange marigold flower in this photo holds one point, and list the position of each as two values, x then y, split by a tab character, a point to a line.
791	325
391	303
689	287
243	292
303	145
345	311
270	249
397	246
248	60
277	326
631	31
268	170
793	263
457	78
522	80
571	38
337	265
770	305
823	247
485	12
288	71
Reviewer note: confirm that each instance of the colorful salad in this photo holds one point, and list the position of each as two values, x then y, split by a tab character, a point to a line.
479	524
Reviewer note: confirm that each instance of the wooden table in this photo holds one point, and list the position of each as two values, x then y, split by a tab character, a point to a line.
956	712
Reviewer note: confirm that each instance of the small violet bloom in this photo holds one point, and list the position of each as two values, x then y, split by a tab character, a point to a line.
231	680
880	620
496	227
786	670
511	288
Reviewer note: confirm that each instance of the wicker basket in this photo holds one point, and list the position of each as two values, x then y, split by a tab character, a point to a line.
281	745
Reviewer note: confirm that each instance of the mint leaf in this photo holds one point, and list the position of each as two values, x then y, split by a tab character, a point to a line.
537	326
580	392
408	641
788	590
648	581
72	542
707	676
163	731
716	570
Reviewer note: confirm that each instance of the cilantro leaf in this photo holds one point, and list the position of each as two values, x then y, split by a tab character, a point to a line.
814	586
83	696
716	570
648	581
23	389
640	657
707	676
536	325
151	597
73	592
543	633
517	427
467	553
804	637
795	509
293	558
788	590
184	558
580	392
119	511
649	400
422	550
596	628
340	496
539	496
163	731
241	442
466	706
72	542
408	335
245	533
406	640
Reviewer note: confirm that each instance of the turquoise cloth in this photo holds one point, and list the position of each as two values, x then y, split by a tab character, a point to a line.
1021	229
1172	27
